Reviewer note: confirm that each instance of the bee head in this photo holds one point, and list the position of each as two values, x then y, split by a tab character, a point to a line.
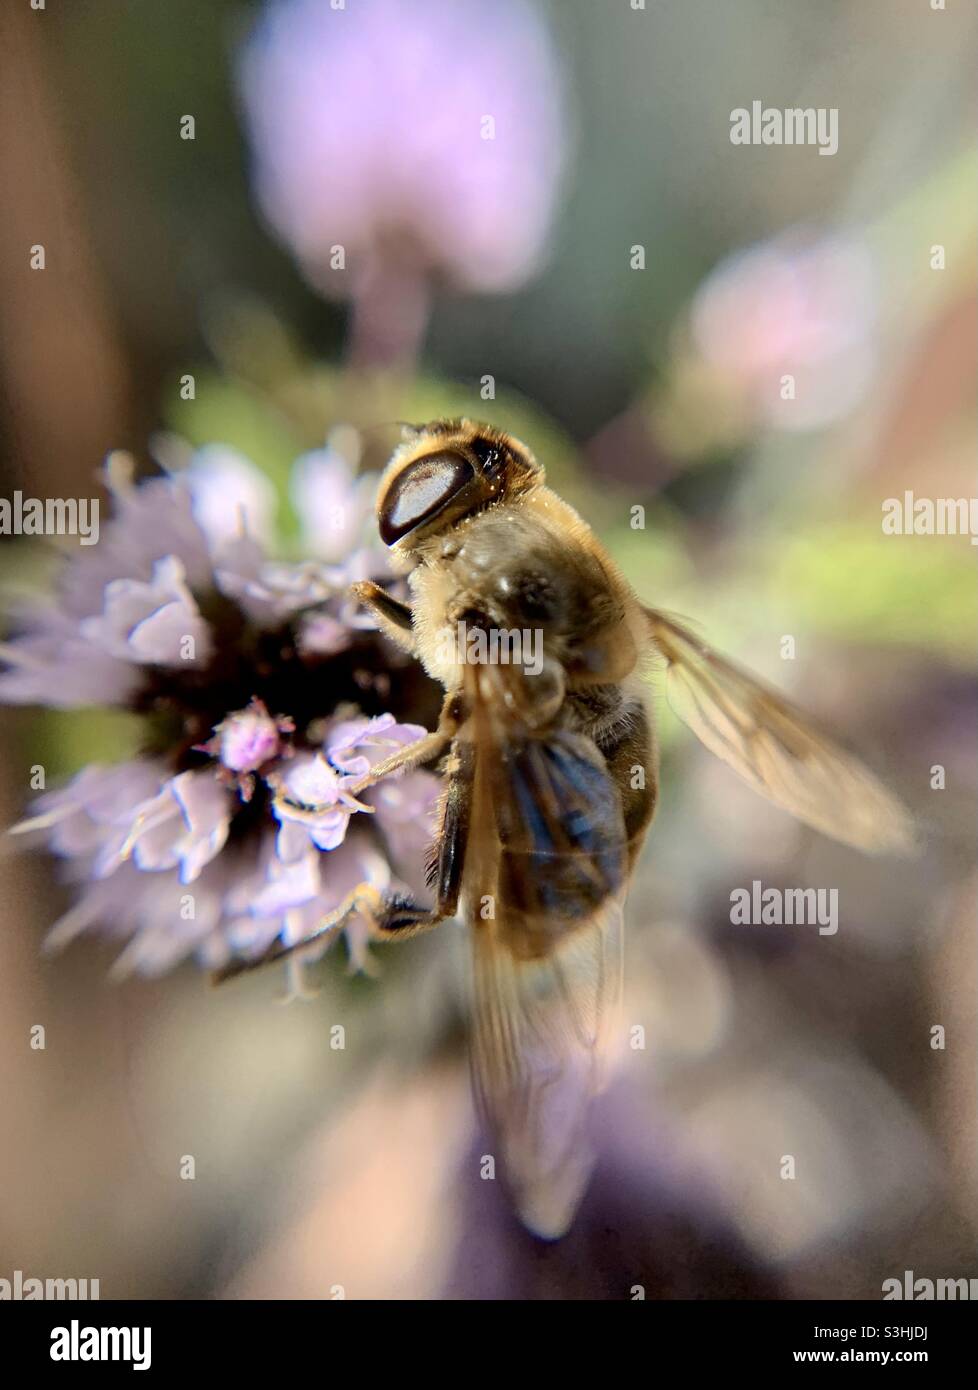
445	471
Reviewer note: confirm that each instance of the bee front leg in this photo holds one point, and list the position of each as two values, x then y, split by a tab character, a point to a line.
393	617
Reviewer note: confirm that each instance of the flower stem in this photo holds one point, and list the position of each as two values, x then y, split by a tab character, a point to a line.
391	307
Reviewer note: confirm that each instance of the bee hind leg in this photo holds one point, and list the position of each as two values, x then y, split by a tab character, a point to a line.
365	898
387	918
400	918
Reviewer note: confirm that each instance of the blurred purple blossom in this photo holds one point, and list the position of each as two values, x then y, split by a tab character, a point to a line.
237	826
368	127
799	306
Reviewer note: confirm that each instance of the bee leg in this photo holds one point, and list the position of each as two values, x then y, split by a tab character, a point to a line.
389	919
630	747
393	617
427	748
364	898
405	758
402	919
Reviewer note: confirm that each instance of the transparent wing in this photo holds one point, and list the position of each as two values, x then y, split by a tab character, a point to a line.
775	747
547	848
540	1042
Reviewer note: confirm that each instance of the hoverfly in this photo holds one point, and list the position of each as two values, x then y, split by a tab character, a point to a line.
541	818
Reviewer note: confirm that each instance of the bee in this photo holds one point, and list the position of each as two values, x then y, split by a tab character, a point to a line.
550	774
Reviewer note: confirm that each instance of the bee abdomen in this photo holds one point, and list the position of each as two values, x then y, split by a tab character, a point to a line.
561	828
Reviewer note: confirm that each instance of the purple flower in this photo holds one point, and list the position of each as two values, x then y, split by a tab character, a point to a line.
158	623
796	306
249	738
265	699
313	805
428	134
331	503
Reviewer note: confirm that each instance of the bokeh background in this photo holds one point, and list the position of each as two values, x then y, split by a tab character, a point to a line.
654	387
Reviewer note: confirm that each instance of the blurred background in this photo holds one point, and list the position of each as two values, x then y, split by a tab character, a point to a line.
603	273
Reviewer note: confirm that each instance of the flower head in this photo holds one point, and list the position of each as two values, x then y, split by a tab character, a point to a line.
798	306
264	697
430	133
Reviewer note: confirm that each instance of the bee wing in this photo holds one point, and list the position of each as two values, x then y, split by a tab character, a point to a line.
775	747
540	1037
547	963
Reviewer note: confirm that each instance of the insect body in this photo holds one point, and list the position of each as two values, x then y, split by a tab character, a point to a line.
550	773
542	815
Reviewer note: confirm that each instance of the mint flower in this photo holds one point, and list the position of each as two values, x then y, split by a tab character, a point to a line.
264	695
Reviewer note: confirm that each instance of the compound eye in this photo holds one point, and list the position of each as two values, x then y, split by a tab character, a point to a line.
420	492
490	455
